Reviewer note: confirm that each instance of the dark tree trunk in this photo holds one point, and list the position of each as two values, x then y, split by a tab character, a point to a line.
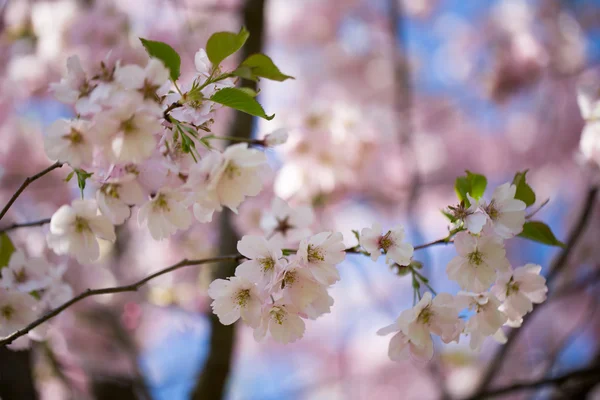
16	375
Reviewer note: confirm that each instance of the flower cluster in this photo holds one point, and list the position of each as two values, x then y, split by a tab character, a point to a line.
274	293
29	286
139	142
494	293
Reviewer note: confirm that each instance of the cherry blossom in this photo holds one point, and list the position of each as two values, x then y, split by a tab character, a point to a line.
506	213
437	315
234	298
321	253
75	88
264	259
276	138
151	81
519	289
17	309
116	195
165	214
285	224
69	141
486	321
391	243
75	230
25	274
304	292
282	321
478	259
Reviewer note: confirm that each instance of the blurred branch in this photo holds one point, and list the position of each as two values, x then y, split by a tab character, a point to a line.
110	290
212	381
586	374
557	266
26	183
25	225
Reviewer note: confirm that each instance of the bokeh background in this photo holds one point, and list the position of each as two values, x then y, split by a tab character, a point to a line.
392	100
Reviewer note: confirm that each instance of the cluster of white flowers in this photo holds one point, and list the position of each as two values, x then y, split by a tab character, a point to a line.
139	141
274	293
29	286
275	289
495	294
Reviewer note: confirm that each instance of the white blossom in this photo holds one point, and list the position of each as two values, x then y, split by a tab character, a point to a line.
127	132
519	289
264	262
415	326
165	214
17	309
282	321
75	88
276	138
69	141
321	253
506	213
234	298
115	197
150	81
25	274
486	321
478	259
391	243
75	230
286	224
306	294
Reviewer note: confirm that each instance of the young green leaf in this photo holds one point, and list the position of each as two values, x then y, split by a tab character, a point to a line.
166	54
260	66
82	176
524	192
541	233
6	250
240	100
223	44
473	184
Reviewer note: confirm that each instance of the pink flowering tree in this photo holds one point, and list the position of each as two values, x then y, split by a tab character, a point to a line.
109	215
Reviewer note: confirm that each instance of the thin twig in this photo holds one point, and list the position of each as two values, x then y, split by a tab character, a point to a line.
117	289
589	373
434	243
25	225
26	183
557	266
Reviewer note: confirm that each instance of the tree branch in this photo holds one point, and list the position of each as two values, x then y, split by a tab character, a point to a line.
26	183
25	225
590	373
557	266
117	289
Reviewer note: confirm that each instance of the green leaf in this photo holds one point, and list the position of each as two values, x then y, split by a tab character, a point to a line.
478	184
240	100
260	66
82	176
223	44
68	178
6	250
448	215
249	91
473	184
166	54
524	192
541	233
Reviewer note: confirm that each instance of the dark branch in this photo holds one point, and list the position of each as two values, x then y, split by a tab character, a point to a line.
26	183
557	266
590	373
117	289
25	225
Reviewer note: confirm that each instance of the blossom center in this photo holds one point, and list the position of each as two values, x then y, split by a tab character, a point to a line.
111	190
314	254
278	314
21	275
475	257
149	90
7	311
232	170
492	211
425	316
267	263
512	287
290	278
386	241
74	136
81	225
242	297
161	203
283	225
128	126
